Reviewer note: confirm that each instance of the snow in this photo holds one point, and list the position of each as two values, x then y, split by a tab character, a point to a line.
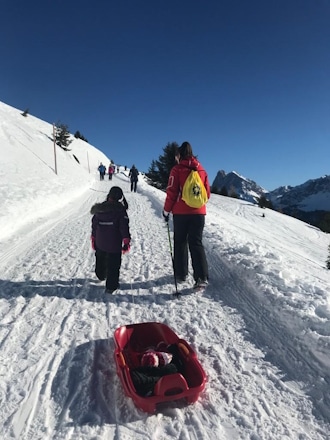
261	329
315	202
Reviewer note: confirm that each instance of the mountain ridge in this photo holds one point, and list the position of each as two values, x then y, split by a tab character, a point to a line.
309	201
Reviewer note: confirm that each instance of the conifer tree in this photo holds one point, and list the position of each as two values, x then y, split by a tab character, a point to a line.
223	191
263	202
324	223
214	190
233	193
62	136
78	135
160	169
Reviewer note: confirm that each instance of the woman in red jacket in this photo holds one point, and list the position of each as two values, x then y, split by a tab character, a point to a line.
188	222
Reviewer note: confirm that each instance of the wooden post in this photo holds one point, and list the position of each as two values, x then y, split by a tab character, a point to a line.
54	149
89	170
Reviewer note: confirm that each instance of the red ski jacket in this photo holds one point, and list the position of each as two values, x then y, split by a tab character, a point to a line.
178	176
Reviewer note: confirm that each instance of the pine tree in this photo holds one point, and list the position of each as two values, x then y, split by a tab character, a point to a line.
324	223
223	191
263	202
152	175
62	136
78	135
160	169
233	193
214	190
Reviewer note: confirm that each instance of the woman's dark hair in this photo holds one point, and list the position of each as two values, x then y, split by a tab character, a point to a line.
185	150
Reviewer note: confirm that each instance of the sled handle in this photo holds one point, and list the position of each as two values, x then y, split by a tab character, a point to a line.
121	359
171	385
184	349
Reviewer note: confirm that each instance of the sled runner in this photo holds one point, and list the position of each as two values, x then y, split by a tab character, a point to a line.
182	378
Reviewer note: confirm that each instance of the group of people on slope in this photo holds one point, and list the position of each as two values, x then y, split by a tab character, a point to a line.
111	170
111	234
133	174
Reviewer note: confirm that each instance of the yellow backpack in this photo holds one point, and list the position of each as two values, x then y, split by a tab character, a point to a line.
193	192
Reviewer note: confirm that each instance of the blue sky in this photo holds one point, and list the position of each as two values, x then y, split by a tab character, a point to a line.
247	83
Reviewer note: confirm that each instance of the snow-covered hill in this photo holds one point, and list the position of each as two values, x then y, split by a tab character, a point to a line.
261	329
27	155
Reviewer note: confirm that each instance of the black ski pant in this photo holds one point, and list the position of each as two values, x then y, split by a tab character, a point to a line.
107	267
133	185
188	233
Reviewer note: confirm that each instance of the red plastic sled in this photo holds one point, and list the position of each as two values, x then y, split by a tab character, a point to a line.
131	341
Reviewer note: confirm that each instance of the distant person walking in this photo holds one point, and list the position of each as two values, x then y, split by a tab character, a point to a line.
133	174
110	237
111	171
102	169
188	222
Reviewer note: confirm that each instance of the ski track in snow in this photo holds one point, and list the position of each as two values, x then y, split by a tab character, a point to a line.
62	382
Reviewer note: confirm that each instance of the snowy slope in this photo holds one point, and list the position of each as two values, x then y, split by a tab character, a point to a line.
261	330
27	154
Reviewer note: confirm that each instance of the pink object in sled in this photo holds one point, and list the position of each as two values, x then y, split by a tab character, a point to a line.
131	341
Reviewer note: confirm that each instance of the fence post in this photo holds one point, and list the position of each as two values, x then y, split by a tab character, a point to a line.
54	148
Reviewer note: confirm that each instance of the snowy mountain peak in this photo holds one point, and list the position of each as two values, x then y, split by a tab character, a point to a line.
234	182
309	201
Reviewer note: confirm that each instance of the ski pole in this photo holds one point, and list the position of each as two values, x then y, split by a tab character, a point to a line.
171	251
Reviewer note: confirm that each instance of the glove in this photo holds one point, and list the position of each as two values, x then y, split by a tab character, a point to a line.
126	246
166	216
93	242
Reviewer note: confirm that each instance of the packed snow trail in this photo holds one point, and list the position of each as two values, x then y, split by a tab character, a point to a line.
58	378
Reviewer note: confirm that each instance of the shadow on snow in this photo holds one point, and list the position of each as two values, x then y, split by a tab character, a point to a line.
88	289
